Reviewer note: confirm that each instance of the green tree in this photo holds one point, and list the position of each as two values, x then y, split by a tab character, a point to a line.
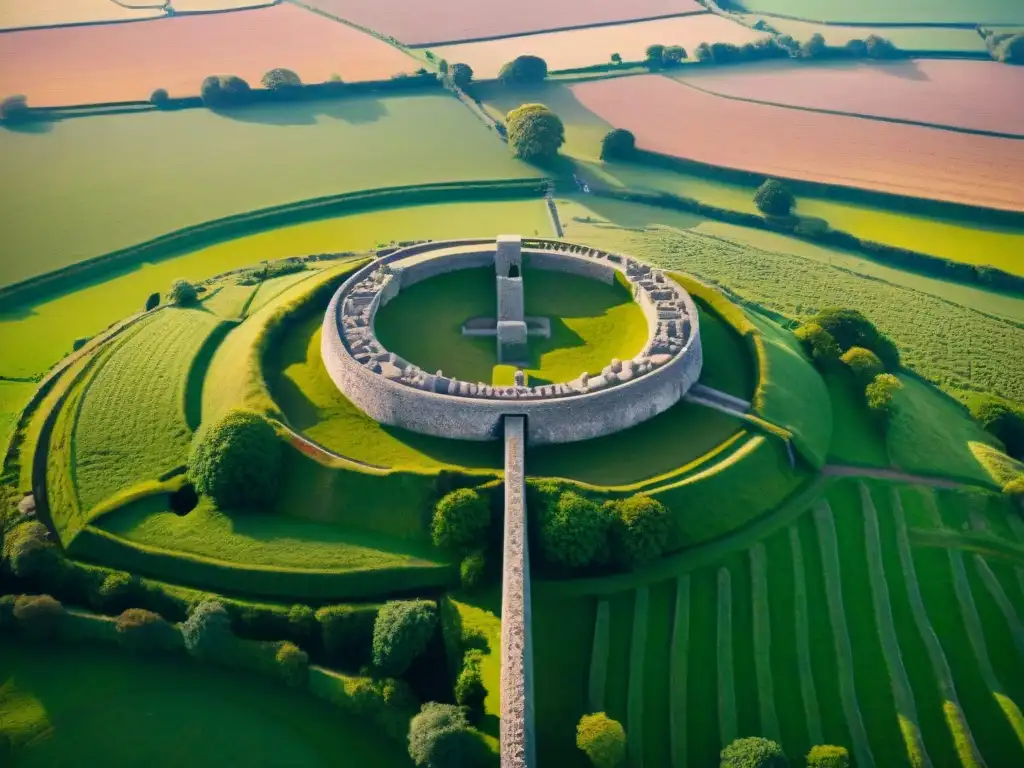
461	75
469	686
1011	50
880	395
159	98
654	56
28	551
814	47
673	55
14	109
850	328
856	49
280	79
207	631
237	461
224	91
754	752
473	569
773	198
535	133
819	343
879	48
152	301
38	616
602	740
182	293
640	530
574	532
440	737
828	756
616	58
863	363
524	69
461	519
292	664
618	144
401	633
703	53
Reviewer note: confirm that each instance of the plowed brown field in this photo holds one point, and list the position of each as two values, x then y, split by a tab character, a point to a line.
419	22
977	95
585	47
126	62
669	117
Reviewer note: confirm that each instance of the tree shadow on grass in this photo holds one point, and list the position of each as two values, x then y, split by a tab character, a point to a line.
302	112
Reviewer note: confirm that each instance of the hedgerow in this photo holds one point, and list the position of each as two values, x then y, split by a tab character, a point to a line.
574	531
207	632
347	633
387	702
470	691
144	630
640	530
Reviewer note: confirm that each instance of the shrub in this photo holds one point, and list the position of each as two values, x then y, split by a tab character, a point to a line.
616	58
1003	419
703	53
856	49
280	79
461	75
440	737
640	530
402	631
753	752
828	756
159	98
673	55
574	532
469	686
654	56
602	739
864	364
14	109
535	133
819	343
207	631
880	395
38	616
301	622
461	520
224	91
78	343
182	293
347	633
725	53
879	48
117	591
144	630
814	47
524	69
293	663
153	301
618	144
473	569
28	551
237	461
773	198
852	329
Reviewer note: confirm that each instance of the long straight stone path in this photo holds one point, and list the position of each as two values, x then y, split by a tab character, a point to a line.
518	746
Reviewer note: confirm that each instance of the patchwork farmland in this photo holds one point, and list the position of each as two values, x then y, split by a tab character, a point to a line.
456	20
828	149
942	92
783	281
587	47
86	65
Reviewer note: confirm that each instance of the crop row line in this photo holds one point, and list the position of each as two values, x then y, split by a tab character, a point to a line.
763	643
635	694
728	727
812	712
1005	606
679	660
599	657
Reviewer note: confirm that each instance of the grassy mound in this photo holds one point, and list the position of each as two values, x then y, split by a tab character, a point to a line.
591	323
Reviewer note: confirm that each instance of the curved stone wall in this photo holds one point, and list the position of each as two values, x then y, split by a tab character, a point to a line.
395	392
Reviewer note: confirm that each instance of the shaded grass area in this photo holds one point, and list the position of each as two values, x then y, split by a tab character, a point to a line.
13	397
657	684
702	726
592	323
855	438
231	300
100	707
728	363
132	423
748	718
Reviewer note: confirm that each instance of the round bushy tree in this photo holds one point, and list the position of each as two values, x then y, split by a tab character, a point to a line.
819	343
524	69
14	109
814	47
207	631
237	461
863	363
640	530
469	686
754	752
402	632
152	301
856	49
828	756
879	48
144	630
461	519
461	75
535	133
654	56
182	293
159	98
224	91
280	79
673	55
602	739
880	395
850	328
618	144
293	663
440	737
473	569
574	532
773	198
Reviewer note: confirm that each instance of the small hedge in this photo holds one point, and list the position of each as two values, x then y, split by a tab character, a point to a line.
754	752
441	737
37	616
470	691
461	519
237	461
143	630
346	633
401	633
828	756
387	702
602	740
207	632
640	531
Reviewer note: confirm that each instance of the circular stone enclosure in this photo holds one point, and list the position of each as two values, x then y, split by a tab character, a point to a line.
397	392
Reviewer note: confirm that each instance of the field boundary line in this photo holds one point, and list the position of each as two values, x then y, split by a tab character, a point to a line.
985	544
829	546
599	657
856	115
1017	526
903	694
763	643
976	635
959	729
885	473
635	692
808	692
1005	606
679	661
727	723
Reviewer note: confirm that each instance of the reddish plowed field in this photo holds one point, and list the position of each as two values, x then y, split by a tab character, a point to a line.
671	118
963	94
126	62
419	22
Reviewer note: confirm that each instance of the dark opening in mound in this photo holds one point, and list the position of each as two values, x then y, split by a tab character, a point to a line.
184	500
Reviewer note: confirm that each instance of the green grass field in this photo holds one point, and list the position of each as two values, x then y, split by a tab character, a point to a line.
915	39
97	707
591	323
248	158
875	11
855	438
132	424
13	396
